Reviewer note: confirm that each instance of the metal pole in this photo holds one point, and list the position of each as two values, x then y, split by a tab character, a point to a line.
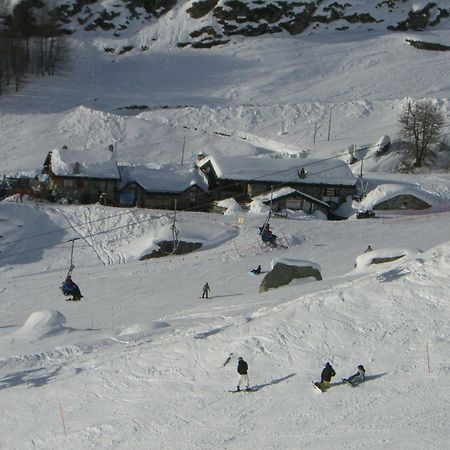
174	227
182	152
329	124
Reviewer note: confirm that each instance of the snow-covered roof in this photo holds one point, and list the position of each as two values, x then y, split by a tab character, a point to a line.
169	178
231	206
92	164
283	192
281	170
385	192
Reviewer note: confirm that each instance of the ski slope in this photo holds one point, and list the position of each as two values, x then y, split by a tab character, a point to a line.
138	363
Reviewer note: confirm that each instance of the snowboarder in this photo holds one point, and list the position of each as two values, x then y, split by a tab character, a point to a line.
326	375
257	271
206	290
368	249
359	376
242	369
71	288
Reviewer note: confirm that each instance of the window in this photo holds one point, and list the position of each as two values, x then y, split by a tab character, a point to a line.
68	183
331	192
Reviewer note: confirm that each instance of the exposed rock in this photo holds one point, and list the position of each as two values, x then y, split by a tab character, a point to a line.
166	248
283	274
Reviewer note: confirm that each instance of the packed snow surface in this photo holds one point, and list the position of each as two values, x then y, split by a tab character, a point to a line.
139	363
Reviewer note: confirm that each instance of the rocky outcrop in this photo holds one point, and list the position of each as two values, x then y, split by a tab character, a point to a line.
167	248
213	22
283	274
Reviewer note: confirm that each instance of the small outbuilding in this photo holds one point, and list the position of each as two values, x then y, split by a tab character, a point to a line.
397	197
291	199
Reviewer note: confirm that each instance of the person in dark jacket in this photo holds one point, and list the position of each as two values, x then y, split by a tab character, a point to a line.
257	271
326	375
268	236
242	369
206	290
71	288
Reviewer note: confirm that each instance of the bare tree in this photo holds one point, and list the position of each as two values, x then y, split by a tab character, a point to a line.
421	124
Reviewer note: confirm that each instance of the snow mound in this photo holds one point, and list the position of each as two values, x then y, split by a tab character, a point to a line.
258	207
43	323
295	262
139	329
231	205
382	256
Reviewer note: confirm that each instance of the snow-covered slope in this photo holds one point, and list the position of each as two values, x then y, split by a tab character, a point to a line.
138	363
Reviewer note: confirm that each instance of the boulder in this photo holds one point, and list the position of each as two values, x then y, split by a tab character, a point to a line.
282	274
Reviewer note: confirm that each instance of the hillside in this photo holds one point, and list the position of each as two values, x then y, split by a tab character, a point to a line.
138	364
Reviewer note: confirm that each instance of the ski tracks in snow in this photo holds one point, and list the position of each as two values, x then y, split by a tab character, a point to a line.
90	227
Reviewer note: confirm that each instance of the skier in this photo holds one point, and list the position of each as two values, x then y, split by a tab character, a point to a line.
71	288
358	376
206	290
257	271
326	375
242	369
368	249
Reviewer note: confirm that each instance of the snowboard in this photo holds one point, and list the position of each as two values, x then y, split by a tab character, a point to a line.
73	299
317	387
349	383
252	389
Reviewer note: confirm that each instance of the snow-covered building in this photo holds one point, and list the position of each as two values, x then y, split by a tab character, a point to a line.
243	177
289	198
82	175
159	187
392	196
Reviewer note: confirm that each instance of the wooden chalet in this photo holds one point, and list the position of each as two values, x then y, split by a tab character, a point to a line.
158	188
243	177
82	175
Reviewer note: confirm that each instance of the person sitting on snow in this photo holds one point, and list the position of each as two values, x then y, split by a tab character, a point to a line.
257	271
358	376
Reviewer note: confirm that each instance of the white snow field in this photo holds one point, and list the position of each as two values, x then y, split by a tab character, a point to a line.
138	363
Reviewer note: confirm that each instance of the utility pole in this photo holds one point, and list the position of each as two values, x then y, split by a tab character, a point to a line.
361	178
329	124
174	227
315	132
182	151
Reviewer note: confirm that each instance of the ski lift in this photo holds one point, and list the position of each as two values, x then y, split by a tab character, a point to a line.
69	288
266	222
174	229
